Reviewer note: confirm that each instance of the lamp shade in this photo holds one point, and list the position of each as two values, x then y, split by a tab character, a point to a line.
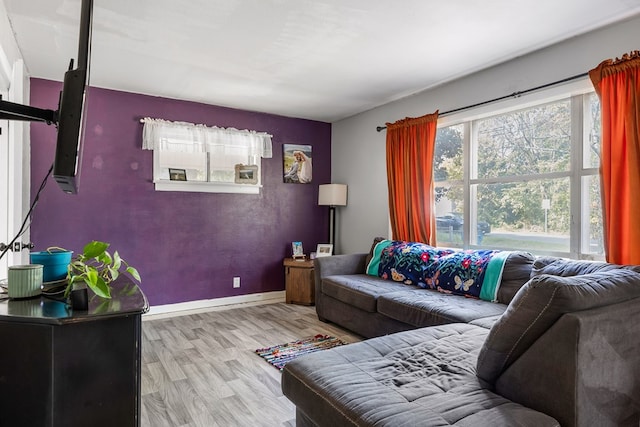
332	195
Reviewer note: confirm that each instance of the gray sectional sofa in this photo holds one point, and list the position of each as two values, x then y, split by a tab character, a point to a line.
561	346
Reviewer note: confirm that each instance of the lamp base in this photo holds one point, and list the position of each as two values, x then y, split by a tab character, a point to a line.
332	226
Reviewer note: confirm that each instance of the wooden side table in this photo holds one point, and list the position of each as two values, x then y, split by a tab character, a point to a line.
299	281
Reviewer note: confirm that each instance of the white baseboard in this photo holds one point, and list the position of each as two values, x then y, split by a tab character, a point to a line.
201	306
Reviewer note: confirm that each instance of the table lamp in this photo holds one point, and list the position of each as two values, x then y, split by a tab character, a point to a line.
332	195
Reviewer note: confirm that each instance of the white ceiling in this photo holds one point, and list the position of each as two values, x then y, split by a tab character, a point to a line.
317	59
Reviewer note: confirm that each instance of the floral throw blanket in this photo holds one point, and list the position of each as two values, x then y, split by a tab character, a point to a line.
472	273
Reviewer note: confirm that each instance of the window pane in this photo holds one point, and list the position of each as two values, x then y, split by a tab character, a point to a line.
592	125
223	167
449	208
592	227
447	162
195	164
532	141
530	215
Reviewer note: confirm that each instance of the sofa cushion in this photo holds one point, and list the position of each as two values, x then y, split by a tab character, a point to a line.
540	302
516	272
485	322
420	377
567	267
359	290
424	307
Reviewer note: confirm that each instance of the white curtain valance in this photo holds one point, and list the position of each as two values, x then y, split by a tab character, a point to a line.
184	137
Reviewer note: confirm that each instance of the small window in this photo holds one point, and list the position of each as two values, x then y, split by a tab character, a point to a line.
188	157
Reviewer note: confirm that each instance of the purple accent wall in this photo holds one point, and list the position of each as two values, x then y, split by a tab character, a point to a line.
187	246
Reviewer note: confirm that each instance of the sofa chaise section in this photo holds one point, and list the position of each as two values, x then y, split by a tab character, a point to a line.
420	377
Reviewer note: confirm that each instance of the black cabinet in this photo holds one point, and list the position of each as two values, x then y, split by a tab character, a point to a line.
60	368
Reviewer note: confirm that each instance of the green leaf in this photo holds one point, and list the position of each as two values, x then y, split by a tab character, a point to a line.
117	261
78	278
94	249
100	288
113	273
105	258
134	273
92	277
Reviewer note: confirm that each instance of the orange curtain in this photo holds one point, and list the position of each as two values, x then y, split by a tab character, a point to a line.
410	148
617	83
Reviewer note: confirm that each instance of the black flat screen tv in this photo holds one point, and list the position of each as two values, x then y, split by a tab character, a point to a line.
71	115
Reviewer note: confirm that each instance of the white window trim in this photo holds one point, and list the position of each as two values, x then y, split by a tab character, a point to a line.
207	187
18	168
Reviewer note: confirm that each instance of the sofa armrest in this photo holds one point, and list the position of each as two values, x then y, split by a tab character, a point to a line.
540	303
584	370
331	266
340	264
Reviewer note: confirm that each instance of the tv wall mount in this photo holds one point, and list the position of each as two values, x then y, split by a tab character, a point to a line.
15	111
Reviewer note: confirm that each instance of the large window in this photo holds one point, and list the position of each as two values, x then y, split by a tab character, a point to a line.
523	179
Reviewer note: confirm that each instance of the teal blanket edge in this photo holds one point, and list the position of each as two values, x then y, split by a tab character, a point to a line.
374	265
493	276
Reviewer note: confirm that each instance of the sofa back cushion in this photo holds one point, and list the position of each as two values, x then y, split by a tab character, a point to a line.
567	267
516	272
540	302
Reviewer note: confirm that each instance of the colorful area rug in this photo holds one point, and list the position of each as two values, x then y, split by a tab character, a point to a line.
280	355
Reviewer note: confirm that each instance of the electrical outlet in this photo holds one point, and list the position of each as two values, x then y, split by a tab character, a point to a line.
236	282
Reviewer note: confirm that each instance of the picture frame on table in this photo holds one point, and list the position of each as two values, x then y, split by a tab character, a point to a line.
324	249
296	250
177	174
246	174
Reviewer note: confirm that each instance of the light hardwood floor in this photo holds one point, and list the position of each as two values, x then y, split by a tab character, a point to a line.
201	369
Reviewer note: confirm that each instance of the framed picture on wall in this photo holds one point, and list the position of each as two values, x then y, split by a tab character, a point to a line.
324	249
297	163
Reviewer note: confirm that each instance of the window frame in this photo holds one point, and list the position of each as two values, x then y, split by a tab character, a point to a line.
204	186
577	92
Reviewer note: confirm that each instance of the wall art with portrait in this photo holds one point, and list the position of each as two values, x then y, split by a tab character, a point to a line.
297	163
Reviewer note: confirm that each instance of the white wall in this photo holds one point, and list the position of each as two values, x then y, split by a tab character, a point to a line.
358	151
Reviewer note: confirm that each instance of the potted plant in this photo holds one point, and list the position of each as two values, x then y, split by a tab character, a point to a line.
96	268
